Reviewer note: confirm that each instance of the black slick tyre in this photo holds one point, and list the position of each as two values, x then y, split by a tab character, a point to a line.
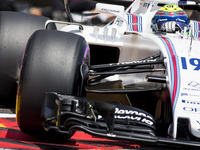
51	63
15	30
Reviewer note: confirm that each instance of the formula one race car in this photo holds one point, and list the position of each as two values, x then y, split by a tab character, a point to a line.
135	79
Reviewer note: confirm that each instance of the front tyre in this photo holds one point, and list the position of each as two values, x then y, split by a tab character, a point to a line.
15	30
51	63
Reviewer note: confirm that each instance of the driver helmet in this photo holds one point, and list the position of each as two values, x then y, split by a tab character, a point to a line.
169	13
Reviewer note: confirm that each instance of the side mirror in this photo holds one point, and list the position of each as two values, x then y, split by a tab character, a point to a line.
68	12
125	3
116	10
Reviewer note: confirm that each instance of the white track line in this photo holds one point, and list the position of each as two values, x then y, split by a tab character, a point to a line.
7	115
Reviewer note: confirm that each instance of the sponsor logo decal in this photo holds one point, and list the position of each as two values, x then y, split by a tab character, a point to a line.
191	89
186	94
191	109
131	112
135	62
194	84
181	20
190	102
132	115
161	20
110	10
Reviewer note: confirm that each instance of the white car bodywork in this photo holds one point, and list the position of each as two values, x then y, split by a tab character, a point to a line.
136	41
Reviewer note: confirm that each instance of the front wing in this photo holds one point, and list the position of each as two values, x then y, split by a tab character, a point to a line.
67	114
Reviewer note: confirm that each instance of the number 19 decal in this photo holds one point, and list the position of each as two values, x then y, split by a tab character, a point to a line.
192	61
